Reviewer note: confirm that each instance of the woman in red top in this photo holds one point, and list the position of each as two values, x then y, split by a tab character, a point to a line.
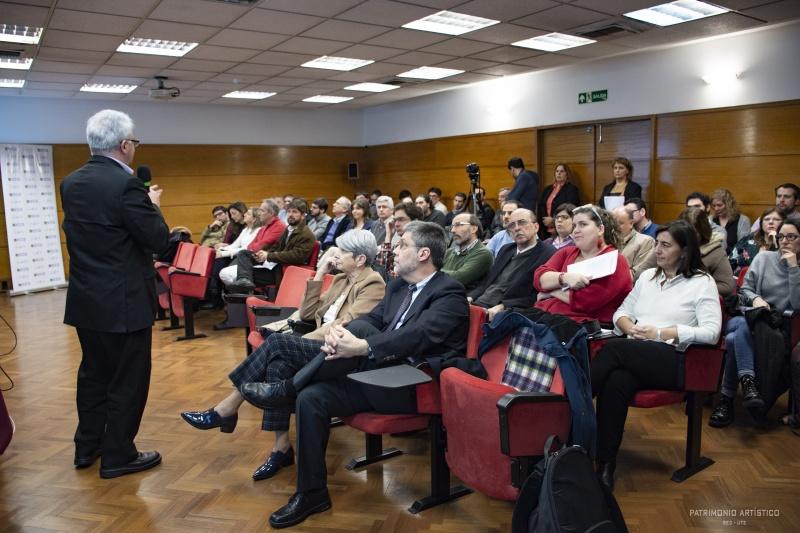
575	295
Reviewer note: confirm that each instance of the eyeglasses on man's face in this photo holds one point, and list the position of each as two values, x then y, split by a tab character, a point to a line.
459	224
521	223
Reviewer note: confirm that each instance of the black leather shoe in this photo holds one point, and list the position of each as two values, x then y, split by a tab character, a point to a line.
145	461
274	462
750	392
300	506
266	395
605	472
722	416
242	286
210	419
86	461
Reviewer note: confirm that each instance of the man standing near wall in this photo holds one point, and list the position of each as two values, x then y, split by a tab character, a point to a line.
526	184
113	226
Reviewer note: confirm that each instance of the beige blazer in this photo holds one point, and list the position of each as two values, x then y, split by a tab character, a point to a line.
362	296
639	250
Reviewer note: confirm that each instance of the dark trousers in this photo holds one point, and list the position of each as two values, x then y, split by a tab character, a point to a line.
327	393
113	382
622	368
214	291
244	269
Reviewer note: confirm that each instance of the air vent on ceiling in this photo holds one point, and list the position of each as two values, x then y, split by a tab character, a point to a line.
12	53
614	30
404	81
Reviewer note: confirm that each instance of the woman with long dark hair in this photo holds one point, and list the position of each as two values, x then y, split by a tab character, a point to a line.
673	303
761	240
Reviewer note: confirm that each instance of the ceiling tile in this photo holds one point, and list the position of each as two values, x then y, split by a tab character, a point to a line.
365	51
139	72
328	8
358	76
745	4
504	34
257	70
471	77
130	8
243	79
92	22
57	77
285	81
55	66
304	91
561	18
140	60
119	80
65	54
246	39
220	88
717	25
187	75
215	14
549	61
506	10
616	7
407	39
420	58
777	12
276	22
466	63
305	45
158	29
327	85
170	82
80	41
203	65
220	53
458	47
344	30
282	58
383	69
23	15
599	49
384	12
69	87
505	70
506	54
653	37
308	73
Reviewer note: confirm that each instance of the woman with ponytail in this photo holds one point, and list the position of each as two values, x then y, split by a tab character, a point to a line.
575	295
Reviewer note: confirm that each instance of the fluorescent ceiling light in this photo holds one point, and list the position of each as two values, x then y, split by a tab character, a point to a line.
450	23
430	73
337	63
719	78
14	84
158	47
553	42
15	63
248	95
322	99
676	12
371	87
107	88
13	33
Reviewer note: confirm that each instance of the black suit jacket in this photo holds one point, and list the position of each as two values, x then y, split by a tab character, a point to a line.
344	225
435	326
567	195
521	292
112	230
632	190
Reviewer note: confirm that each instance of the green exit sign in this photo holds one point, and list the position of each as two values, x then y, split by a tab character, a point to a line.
593	96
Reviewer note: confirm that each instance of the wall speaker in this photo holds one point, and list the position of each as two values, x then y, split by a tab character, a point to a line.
352	171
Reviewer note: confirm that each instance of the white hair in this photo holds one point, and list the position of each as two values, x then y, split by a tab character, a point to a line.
106	129
385	200
358	242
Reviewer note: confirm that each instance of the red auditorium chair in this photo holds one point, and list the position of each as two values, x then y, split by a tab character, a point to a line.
495	433
187	287
374	425
311	265
183	261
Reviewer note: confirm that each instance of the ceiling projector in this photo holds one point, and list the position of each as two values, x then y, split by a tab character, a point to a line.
164	93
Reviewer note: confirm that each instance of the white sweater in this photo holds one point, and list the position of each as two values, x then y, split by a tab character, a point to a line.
241	242
690	304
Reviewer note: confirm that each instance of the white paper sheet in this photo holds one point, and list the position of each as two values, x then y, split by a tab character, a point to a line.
597	267
269	265
613	202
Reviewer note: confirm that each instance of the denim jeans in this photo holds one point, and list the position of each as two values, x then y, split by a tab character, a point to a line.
739	360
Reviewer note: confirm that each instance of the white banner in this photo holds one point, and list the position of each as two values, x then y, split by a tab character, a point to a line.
34	243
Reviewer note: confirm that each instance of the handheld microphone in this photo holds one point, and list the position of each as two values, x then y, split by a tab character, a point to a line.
143	173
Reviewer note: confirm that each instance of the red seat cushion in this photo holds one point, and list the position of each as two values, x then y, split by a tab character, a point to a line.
657	398
378	424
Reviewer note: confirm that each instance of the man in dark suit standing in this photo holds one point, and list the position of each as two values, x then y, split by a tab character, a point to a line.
424	315
113	226
526	184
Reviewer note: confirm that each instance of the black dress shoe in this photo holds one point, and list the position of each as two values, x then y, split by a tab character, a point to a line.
300	506
210	419
605	473
242	286
266	395
750	392
144	461
85	461
274	462
722	415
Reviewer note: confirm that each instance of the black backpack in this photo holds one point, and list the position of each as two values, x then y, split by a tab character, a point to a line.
563	494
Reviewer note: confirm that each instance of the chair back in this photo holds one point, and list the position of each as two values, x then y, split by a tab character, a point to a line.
740	277
312	260
327	281
477	318
203	261
292	287
184	255
494	361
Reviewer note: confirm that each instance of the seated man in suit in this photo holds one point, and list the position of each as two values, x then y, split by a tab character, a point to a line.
338	224
510	280
424	304
293	248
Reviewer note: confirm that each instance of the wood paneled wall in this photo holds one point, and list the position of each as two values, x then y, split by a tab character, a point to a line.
747	150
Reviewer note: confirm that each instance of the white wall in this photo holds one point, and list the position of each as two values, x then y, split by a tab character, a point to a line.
53	121
656	81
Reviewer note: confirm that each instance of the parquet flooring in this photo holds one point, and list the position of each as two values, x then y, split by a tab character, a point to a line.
204	482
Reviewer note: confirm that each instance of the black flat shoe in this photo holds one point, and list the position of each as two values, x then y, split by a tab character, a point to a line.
274	462
210	419
266	395
722	416
145	461
86	461
300	506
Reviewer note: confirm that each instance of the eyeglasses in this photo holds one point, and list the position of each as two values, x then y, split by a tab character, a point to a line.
136	142
790	237
521	223
459	224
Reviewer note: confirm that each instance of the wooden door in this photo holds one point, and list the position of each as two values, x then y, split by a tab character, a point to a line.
630	139
574	146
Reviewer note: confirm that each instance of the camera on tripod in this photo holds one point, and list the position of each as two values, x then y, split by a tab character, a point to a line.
474	173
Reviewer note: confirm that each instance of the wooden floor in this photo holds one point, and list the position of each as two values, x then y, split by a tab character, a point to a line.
204	482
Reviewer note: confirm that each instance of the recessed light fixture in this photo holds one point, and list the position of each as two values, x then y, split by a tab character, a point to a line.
14	33
323	99
676	12
158	47
15	63
337	63
107	88
553	42
248	95
430	73
12	84
450	23
721	77
371	87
